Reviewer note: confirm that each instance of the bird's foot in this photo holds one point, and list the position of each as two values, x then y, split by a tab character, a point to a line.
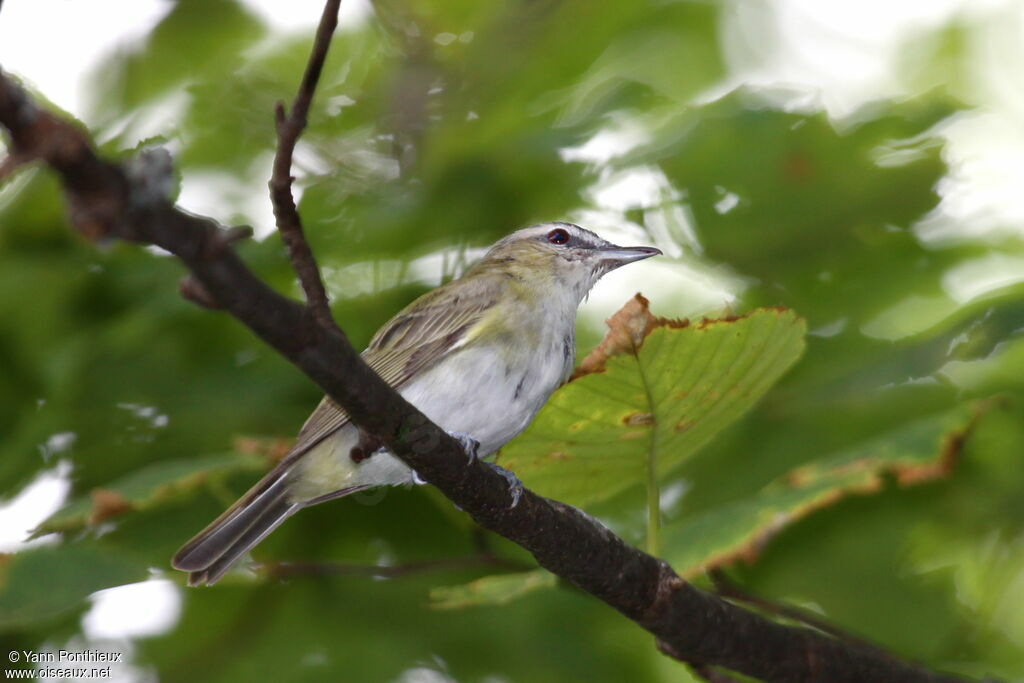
472	448
468	443
515	487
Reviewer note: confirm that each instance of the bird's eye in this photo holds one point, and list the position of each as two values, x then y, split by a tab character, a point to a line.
558	236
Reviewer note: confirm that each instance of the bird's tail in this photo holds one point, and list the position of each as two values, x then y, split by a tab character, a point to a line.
218	547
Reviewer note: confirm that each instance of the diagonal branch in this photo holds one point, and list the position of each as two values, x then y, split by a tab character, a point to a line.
289	127
689	625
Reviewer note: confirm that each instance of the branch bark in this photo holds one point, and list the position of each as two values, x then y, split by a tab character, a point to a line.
692	626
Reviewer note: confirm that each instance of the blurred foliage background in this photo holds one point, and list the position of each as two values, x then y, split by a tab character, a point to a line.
882	207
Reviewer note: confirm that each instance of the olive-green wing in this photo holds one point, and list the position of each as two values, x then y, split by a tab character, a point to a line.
424	332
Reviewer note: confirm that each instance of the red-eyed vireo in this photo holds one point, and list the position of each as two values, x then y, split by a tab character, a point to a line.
479	356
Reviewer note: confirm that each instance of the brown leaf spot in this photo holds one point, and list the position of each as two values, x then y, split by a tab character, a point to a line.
952	445
558	455
636	434
247	445
279	448
106	504
798	167
938	469
273	448
683	425
638	419
708	322
807	475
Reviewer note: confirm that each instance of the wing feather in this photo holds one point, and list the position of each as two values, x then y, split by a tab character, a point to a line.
420	335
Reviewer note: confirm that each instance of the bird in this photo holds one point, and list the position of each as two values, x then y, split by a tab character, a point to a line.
479	356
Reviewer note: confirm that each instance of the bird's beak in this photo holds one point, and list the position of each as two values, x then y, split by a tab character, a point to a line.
620	256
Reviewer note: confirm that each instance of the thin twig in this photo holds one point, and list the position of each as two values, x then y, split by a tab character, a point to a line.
192	289
288	569
289	127
727	588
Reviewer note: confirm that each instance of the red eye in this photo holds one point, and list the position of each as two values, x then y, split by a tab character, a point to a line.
558	236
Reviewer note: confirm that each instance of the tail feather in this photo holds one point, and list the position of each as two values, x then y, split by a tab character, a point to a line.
218	547
229	555
221	533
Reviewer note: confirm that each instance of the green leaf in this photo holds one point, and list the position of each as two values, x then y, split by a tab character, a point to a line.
491	590
40	584
218	33
145	489
921	451
650	396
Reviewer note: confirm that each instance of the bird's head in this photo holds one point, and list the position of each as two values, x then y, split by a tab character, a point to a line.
560	255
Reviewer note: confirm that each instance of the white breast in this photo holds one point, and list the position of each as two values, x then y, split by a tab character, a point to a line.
487	394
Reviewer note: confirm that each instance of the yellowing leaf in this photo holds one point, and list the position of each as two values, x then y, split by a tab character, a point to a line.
650	395
106	504
627	329
915	453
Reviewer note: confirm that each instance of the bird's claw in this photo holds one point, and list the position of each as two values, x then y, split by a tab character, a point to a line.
472	448
470	445
515	487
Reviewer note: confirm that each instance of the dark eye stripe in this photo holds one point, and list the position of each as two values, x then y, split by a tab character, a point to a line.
558	236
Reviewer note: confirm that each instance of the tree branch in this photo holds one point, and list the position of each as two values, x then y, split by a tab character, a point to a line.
689	625
289	128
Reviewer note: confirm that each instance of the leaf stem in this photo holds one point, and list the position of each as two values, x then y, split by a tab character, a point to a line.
653	500
653	492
